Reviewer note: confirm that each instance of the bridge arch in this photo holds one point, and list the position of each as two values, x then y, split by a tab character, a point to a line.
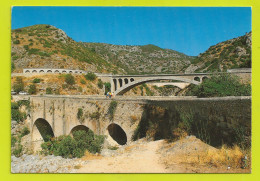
56	71
34	71
126	81
117	133
204	78
41	71
42	130
197	79
132	84
120	82
80	128
49	71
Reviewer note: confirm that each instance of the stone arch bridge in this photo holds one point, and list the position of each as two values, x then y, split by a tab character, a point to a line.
57	115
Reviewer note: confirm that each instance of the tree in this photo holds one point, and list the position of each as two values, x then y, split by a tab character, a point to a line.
18	84
48	90
219	86
69	79
32	89
90	76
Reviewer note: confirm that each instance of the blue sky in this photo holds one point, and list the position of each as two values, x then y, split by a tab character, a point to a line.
185	29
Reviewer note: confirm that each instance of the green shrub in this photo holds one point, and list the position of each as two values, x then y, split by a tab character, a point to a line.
16	41
26	47
219	86
32	89
100	84
90	76
82	81
18	150
80	113
36	80
44	54
69	79
33	51
95	115
112	109
12	66
69	147
13	140
24	103
17	115
25	131
48	90
18	84
107	87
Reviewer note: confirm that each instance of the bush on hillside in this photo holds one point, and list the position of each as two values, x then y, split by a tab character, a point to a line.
16	114
100	84
48	90
36	80
18	85
69	79
90	76
32	89
219	86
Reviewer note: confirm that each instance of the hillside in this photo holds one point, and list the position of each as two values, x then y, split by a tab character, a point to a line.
234	53
147	59
44	46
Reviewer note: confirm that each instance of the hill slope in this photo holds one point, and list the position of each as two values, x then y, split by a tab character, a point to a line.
147	59
234	53
44	46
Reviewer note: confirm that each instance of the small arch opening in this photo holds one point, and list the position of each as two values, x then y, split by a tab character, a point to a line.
117	133
70	72
49	71
34	71
120	82
204	78
27	71
64	71
41	71
44	130
115	84
197	79
126	81
56	71
132	80
80	127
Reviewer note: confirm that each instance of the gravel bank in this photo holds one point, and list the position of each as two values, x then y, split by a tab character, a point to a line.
44	164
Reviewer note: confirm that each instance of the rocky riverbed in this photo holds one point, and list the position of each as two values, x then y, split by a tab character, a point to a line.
44	164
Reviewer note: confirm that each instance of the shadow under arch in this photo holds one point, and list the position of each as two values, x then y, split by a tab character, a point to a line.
44	129
117	133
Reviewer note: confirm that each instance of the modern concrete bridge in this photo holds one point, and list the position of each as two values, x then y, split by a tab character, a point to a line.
122	83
